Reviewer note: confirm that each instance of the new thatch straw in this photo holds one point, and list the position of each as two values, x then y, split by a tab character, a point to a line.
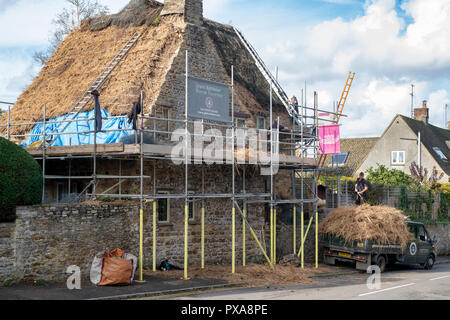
382	224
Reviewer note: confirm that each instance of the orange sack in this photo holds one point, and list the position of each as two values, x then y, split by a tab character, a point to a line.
116	269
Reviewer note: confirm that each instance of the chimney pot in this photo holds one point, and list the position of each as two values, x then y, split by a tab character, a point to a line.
191	9
422	114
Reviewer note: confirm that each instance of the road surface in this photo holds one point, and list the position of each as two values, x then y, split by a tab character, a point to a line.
399	284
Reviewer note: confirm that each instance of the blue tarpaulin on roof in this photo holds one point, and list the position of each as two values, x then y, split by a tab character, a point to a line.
76	139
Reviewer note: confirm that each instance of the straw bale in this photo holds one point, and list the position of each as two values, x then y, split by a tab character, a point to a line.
382	224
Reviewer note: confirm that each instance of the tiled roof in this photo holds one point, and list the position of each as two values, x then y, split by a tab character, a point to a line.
358	149
432	137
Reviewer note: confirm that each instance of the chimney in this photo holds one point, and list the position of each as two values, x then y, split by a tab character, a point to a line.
191	9
448	125
422	114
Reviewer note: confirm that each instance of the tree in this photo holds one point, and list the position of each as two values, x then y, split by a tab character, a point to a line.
421	177
67	21
20	179
390	177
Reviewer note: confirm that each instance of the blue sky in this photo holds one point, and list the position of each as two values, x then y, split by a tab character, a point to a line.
389	44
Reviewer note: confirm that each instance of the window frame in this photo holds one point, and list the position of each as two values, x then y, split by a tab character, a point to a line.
194	208
440	154
398	163
166	123
58	194
340	164
168	207
264	119
237	123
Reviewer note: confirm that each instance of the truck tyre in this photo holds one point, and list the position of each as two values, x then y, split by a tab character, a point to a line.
429	263
381	263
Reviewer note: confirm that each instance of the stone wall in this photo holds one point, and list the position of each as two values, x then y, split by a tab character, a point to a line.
45	240
442	231
7	262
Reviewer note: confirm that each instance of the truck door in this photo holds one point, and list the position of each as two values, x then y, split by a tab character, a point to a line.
424	244
412	248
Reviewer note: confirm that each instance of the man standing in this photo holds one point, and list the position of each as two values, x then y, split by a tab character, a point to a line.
361	188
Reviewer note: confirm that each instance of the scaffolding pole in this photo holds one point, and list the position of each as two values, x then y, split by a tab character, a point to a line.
233	177
186	206
316	212
244	257
141	210
8	134
203	211
43	154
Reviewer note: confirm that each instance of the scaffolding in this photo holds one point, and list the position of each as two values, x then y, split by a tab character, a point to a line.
301	153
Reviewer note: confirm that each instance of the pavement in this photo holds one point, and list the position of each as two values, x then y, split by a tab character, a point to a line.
160	287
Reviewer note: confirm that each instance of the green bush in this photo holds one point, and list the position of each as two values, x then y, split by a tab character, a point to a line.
20	180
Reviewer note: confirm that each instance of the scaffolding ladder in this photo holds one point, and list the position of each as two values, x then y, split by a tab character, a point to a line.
340	109
270	78
96	85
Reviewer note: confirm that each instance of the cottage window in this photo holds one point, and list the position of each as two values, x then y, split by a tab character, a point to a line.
240	123
261	123
166	122
60	192
163	209
192	208
398	157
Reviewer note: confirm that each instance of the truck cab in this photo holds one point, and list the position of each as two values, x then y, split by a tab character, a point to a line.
421	248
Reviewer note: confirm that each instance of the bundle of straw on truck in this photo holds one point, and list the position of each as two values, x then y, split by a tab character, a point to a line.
381	224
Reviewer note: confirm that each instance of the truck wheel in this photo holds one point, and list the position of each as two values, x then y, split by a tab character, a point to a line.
381	263
429	263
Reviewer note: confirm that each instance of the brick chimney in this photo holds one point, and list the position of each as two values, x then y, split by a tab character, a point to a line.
191	9
422	114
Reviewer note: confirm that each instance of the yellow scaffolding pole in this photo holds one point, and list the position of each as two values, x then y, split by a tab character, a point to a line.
301	252
203	238
243	237
302	235
186	222
295	229
275	236
233	249
271	235
141	245
256	238
317	239
154	235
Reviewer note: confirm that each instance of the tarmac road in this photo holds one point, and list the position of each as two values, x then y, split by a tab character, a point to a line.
402	283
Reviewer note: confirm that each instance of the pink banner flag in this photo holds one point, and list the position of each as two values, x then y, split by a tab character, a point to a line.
329	139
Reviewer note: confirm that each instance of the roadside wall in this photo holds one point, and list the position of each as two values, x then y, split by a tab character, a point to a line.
45	240
442	231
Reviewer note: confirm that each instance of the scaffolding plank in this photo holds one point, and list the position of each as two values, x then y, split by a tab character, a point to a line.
78	150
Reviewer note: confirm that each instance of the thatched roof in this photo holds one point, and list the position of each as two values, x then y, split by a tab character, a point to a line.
86	52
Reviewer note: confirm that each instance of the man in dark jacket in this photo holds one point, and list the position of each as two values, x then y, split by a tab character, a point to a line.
361	188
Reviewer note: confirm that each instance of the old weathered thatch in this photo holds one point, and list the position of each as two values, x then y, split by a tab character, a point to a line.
81	58
85	53
382	224
137	13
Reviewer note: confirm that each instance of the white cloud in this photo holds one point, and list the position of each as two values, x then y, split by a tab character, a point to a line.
386	54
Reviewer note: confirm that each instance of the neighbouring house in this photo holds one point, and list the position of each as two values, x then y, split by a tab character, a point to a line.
354	152
154	69
398	146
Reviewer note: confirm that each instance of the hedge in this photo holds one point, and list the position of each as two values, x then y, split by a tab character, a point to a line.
20	180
